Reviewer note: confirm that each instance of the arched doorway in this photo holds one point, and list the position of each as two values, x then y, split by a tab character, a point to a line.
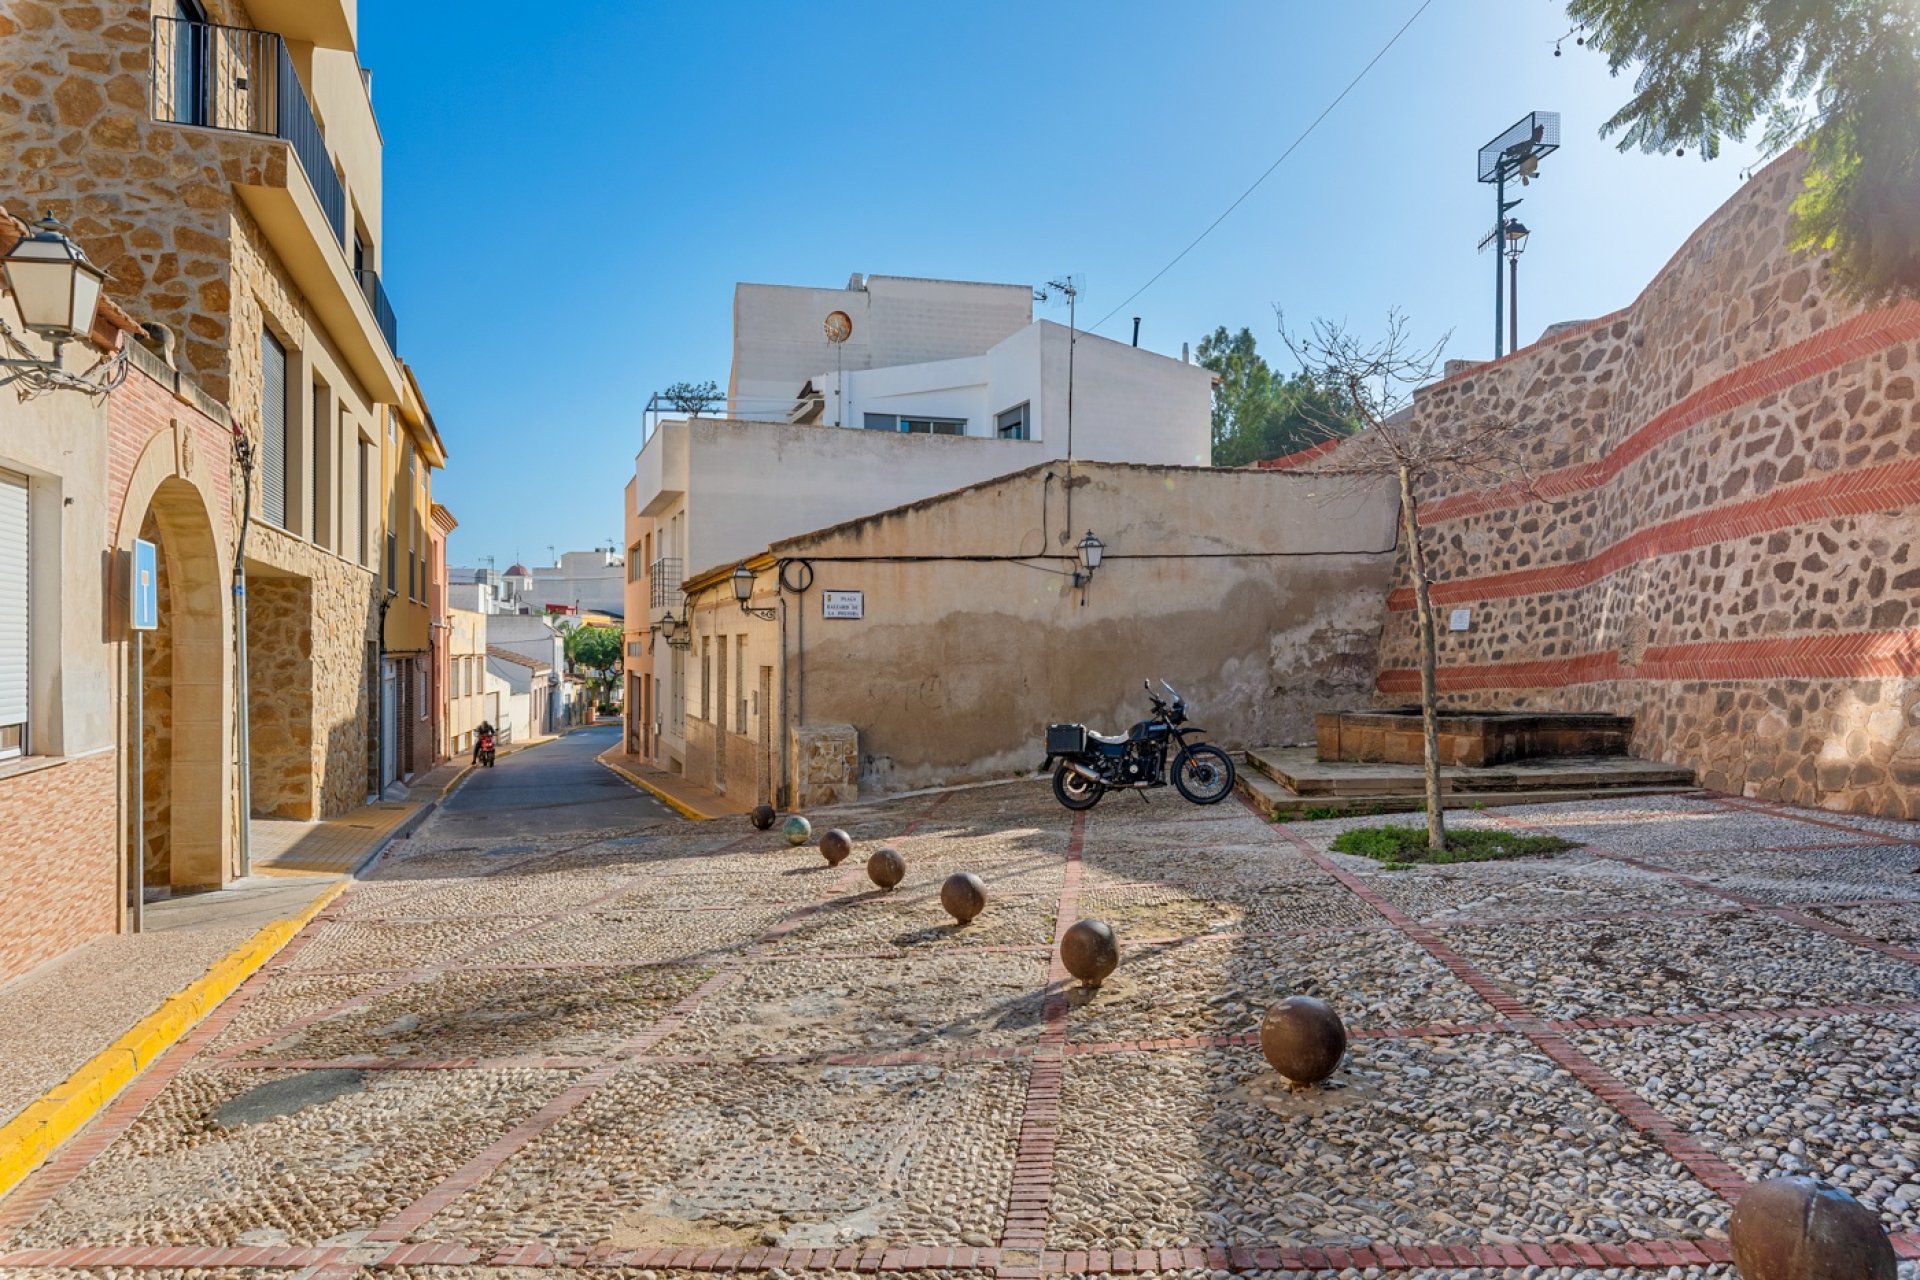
184	681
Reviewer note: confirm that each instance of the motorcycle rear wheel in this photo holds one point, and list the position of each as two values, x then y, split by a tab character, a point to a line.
1074	791
1203	774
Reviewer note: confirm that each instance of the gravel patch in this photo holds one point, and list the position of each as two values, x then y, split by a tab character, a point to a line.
1739	960
1567	884
496	1013
869	1006
397	944
915	921
1896	924
1833	1097
277	998
1224	986
641	937
1807	875
305	1178
760	1154
1469	1140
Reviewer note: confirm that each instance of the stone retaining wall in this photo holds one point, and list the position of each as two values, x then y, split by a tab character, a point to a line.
1717	530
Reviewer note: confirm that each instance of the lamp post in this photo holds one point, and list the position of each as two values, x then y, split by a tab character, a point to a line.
1516	153
56	291
1516	239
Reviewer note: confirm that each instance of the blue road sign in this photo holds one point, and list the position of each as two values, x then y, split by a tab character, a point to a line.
146	587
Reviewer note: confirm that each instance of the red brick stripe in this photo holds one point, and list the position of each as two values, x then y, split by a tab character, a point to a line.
1850	493
1863	335
1858	655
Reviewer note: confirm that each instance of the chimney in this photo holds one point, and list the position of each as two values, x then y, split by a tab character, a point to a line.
1136	331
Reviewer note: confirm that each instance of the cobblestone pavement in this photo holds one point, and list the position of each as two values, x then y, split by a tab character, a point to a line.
657	1049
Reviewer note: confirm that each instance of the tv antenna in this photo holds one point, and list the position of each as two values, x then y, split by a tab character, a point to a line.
1068	287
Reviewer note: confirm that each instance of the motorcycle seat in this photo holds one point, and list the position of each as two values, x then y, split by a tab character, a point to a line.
1112	740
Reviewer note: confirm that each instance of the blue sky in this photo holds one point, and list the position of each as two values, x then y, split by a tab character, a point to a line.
569	202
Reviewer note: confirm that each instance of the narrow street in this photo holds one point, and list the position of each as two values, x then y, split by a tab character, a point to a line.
552	789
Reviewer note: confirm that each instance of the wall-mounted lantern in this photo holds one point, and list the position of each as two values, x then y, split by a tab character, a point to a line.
743	592
56	291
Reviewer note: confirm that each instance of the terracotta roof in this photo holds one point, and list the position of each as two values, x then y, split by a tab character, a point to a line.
532	664
519	571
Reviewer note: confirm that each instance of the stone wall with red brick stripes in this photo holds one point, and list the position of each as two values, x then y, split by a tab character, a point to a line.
1717	529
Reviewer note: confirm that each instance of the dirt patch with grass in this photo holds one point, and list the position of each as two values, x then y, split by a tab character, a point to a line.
1400	847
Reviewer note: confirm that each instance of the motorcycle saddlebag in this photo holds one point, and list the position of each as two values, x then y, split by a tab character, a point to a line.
1066	739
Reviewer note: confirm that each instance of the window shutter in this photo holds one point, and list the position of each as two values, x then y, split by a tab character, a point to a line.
13	610
273	430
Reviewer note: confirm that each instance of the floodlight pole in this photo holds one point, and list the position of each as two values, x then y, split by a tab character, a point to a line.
1499	225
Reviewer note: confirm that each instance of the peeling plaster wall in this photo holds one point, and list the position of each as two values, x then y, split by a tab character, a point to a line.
1259	595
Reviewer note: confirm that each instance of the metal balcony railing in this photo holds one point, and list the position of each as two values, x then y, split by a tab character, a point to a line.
240	79
664	575
382	309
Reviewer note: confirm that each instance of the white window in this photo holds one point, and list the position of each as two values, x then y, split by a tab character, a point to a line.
1016	423
14	604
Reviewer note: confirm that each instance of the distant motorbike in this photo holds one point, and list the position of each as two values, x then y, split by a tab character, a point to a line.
1092	764
486	750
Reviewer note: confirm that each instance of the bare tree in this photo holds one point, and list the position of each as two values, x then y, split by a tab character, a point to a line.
1377	378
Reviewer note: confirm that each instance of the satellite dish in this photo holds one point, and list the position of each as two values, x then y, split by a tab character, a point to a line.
839	326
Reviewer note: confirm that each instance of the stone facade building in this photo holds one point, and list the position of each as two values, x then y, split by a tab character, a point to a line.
1720	531
223	163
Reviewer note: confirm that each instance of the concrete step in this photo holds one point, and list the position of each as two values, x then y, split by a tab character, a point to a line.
1278	804
1302	773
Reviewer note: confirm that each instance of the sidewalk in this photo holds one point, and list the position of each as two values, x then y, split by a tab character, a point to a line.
74	1031
685	798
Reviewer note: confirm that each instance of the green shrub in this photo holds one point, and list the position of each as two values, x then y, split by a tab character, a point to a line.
1408	845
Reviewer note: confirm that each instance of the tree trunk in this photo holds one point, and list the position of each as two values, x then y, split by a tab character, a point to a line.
1429	661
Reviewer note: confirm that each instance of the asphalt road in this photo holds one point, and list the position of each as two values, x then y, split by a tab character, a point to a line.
558	786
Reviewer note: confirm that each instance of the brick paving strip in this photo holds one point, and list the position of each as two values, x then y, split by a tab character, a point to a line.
1022	1254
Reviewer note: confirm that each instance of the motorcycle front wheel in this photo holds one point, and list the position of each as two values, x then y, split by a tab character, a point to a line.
1203	774
1074	791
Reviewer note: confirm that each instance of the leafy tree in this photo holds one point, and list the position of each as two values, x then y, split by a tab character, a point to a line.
1838	77
595	653
1259	414
692	398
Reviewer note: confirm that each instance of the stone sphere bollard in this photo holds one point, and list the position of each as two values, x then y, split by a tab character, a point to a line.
762	817
886	867
835	845
1090	951
1303	1039
964	896
1802	1229
797	830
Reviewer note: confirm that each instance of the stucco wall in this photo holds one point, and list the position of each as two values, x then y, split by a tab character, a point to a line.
1257	594
1721	535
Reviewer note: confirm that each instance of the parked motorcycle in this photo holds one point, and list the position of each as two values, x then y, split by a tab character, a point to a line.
1091	764
486	750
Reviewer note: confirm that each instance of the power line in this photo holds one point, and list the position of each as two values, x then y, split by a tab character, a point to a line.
1304	135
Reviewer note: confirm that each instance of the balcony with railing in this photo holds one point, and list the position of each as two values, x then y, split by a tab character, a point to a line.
245	81
241	79
376	294
664	583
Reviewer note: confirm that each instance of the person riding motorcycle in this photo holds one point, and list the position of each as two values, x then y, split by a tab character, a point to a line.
479	735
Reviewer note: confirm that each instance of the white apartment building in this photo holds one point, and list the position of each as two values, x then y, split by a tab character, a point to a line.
582	582
937	386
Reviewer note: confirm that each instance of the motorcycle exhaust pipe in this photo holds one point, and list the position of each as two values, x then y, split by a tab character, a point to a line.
1081	771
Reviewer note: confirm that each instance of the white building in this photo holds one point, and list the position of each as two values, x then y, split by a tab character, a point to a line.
939	385
583	581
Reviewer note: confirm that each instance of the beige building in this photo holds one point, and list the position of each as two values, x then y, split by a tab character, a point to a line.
933	643
223	163
468	702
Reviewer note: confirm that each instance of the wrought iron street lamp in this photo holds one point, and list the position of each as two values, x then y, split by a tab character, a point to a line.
56	291
743	592
1516	238
1088	550
673	630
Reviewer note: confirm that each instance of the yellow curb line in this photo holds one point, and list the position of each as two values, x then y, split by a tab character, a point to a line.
679	806
64	1110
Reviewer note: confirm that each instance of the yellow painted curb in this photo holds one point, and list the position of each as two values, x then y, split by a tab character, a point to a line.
680	807
62	1111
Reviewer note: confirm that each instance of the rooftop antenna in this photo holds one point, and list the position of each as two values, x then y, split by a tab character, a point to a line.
1068	287
550	554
